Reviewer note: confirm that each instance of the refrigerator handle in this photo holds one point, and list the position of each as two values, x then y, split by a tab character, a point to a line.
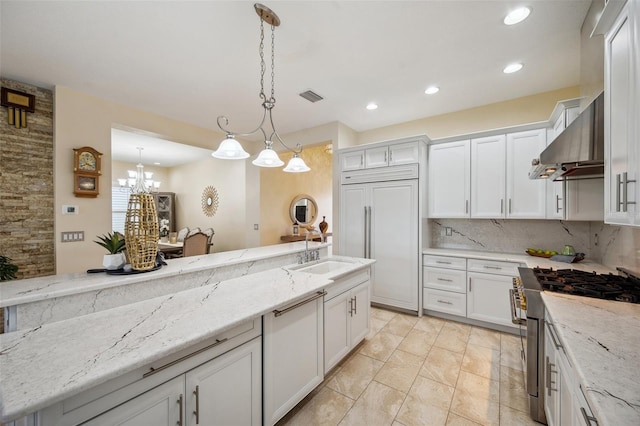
369	237
366	232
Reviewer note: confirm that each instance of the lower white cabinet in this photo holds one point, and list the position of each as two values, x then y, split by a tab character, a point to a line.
564	402
346	323
473	288
226	390
293	355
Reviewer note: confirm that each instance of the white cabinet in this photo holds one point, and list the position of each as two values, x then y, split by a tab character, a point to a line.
444	281
622	109
225	390
293	355
488	176
500	185
477	289
381	155
525	198
380	220
564	402
449	183
162	406
346	319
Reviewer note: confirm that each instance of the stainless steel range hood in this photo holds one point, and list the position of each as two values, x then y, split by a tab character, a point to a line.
577	152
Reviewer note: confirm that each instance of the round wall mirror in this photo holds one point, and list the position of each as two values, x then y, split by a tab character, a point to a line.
303	210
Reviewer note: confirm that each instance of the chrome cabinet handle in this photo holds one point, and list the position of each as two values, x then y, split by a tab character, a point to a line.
318	295
355	305
446	302
180	423
445	280
469	283
492	267
443	262
509	205
587	418
197	412
466	206
618	183
501	206
552	332
351	307
549	381
366	232
558	208
385	157
625	191
153	370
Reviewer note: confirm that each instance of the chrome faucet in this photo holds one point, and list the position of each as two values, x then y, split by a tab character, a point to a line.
309	255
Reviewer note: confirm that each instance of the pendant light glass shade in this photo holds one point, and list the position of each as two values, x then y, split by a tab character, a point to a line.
268	158
296	165
230	149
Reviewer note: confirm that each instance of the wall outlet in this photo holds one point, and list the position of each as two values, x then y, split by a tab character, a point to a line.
255	227
448	231
71	236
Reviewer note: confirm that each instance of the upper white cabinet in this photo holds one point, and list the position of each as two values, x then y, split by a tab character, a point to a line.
449	179
488	175
500	185
525	197
622	109
380	156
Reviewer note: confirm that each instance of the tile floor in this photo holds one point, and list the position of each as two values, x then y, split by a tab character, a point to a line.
422	371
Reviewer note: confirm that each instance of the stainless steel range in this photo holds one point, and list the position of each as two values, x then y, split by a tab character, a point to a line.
525	297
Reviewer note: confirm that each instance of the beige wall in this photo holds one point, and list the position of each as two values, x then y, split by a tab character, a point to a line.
277	190
81	120
228	178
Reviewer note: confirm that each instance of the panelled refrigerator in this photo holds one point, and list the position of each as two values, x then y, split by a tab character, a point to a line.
380	219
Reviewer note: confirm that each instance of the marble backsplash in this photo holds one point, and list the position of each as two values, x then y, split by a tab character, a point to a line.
607	244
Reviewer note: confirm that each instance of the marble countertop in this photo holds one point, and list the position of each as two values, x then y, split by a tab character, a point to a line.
531	261
602	341
42	288
79	353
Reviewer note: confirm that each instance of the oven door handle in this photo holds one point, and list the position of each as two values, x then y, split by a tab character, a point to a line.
514	317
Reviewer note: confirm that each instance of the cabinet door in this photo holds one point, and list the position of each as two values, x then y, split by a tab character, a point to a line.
551	380
360	313
488	177
293	357
585	199
337	341
404	153
352	223
449	179
619	121
163	405
488	298
376	157
525	197
352	160
228	389
394	243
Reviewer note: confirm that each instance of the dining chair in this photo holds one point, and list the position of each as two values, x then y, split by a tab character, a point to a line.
182	234
193	231
209	232
195	245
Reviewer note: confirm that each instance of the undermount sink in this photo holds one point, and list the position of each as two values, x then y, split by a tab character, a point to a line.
323	267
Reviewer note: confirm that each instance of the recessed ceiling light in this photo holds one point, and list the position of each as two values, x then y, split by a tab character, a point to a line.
372	106
432	90
511	68
156	164
517	15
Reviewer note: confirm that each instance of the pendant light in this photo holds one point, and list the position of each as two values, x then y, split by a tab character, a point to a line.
230	148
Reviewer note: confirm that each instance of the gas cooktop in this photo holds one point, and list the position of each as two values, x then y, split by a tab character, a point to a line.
624	288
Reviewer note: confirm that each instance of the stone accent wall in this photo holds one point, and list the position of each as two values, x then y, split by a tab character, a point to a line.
26	186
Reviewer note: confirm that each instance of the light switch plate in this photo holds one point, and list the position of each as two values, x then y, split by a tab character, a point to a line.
71	236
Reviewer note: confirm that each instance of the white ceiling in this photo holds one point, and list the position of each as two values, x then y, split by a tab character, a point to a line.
196	60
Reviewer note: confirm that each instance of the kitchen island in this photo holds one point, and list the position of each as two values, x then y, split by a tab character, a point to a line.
47	364
36	301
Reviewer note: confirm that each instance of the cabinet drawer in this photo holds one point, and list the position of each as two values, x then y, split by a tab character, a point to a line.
448	262
493	267
445	279
445	301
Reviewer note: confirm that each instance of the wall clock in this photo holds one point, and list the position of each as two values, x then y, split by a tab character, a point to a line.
86	172
210	201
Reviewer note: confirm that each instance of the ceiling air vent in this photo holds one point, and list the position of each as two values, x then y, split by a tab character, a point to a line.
311	96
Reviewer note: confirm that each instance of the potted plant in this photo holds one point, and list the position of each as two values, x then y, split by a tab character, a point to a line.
7	269
114	243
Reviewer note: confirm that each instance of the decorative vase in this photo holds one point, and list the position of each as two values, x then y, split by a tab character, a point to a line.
164	239
141	231
113	261
323	225
173	237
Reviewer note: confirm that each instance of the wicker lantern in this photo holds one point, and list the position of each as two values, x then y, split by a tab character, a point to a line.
141	231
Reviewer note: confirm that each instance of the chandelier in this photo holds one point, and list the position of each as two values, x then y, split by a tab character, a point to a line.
230	148
139	181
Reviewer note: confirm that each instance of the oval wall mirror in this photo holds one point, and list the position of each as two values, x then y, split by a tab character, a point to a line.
303	210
